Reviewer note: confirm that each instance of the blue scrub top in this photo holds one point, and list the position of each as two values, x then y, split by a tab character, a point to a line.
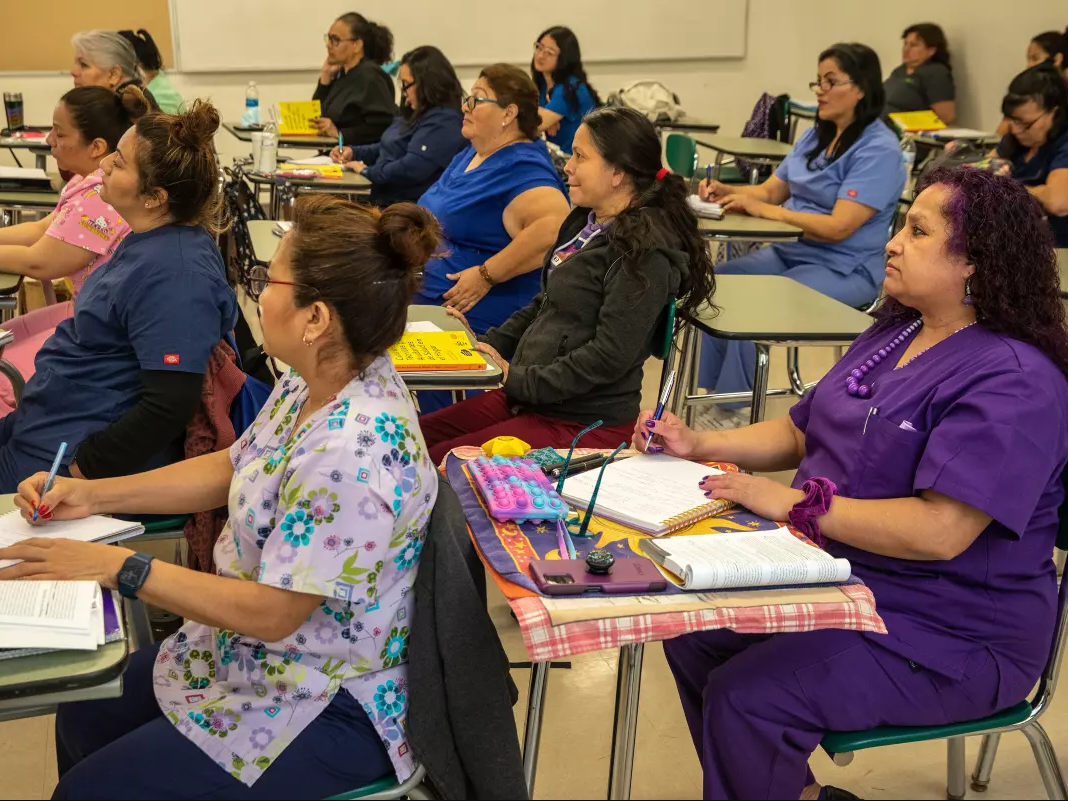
470	207
572	115
1051	156
161	303
870	172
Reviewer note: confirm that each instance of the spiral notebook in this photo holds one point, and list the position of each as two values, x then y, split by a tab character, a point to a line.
654	493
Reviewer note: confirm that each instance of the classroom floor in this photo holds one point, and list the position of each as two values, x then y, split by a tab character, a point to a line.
577	729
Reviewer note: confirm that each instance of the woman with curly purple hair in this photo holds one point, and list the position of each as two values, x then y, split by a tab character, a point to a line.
931	457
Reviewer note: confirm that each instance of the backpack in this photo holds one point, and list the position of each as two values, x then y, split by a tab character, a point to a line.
250	398
770	119
651	98
960	152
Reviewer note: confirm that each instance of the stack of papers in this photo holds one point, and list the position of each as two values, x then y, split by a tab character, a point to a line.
41	616
281	228
95	528
702	208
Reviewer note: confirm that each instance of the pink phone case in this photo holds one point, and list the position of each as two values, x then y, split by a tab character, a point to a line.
633	576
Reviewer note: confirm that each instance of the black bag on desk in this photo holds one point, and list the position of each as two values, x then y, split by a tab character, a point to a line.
959	153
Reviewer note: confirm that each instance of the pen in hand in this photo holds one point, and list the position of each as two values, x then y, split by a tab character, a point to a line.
659	413
51	476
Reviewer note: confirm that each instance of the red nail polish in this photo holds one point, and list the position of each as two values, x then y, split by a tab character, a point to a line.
44	510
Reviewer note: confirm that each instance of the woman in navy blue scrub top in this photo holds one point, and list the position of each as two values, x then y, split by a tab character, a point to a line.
423	139
564	93
120	381
1036	113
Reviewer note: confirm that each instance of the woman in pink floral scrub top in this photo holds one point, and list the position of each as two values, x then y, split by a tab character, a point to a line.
289	677
82	232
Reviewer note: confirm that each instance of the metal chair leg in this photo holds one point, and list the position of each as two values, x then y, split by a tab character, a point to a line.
984	764
1046	758
955	769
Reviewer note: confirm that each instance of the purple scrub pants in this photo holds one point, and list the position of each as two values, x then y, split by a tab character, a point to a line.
758	705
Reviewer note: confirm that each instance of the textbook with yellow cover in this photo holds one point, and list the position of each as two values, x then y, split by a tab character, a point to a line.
419	352
296	117
913	121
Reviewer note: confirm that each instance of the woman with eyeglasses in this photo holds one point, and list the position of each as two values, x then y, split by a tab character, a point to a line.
355	93
840	185
564	92
422	140
1036	112
500	203
924	80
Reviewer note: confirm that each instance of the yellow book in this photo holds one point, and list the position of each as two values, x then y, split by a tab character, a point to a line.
438	350
324	170
912	121
295	118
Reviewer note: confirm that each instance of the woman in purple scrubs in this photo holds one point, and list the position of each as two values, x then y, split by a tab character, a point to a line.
931	458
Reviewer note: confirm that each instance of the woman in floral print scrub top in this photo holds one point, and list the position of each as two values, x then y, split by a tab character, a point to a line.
289	677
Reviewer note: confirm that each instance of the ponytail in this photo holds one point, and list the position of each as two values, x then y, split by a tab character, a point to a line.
628	141
377	39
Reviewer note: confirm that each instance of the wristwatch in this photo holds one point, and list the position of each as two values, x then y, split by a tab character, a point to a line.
134	574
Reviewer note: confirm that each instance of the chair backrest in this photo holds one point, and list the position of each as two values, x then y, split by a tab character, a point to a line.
1048	682
664	335
681	153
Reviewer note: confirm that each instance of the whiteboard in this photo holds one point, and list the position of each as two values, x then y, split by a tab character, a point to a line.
280	35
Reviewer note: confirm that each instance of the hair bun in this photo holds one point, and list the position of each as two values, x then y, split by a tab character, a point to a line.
134	101
411	232
195	128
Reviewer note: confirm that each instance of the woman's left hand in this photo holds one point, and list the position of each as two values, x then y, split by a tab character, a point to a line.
46	559
744	204
761	496
469	289
491	351
325	126
355	166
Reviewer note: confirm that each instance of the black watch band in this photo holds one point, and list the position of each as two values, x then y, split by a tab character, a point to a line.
134	574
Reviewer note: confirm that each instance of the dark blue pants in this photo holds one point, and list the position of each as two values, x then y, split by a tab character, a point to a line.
124	748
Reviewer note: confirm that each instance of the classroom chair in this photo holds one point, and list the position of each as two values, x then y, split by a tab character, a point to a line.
1023	717
664	339
390	789
680	152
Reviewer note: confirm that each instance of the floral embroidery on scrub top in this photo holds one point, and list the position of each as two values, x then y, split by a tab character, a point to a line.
339	509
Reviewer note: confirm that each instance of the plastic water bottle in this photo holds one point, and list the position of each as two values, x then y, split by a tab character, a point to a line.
908	155
252	105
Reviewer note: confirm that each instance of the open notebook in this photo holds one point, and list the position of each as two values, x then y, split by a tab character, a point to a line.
745	559
95	528
654	493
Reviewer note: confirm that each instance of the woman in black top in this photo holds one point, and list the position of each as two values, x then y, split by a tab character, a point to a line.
357	96
924	80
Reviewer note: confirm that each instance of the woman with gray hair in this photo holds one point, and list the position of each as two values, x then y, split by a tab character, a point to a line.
104	58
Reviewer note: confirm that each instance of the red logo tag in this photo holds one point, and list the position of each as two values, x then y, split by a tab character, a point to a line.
852	193
172	358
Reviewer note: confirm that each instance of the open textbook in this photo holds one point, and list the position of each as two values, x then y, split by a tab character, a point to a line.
52	615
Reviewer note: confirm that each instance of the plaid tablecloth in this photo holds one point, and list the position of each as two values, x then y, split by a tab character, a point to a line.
547	642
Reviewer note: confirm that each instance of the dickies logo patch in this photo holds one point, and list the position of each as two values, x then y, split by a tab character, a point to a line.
172	358
852	193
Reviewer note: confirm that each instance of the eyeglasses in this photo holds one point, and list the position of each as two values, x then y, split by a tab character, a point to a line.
826	86
1022	127
259	280
540	48
406	85
471	102
330	39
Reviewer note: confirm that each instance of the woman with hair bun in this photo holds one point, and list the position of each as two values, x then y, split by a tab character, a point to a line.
289	678
120	381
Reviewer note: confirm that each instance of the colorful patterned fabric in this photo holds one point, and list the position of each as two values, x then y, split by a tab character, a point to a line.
337	508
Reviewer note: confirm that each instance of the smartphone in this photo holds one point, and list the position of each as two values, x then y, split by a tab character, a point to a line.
629	576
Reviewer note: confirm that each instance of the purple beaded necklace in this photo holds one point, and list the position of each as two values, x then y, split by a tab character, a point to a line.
858	390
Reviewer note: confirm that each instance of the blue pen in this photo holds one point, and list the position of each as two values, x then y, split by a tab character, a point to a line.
663	402
340	144
708	172
51	475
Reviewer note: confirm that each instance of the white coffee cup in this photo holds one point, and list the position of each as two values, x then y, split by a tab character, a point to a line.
257	147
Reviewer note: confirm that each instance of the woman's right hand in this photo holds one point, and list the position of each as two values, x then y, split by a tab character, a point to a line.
328	72
69	498
675	438
711	191
341	156
456	314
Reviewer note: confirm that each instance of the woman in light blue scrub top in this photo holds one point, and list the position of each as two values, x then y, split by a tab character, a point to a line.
839	185
564	93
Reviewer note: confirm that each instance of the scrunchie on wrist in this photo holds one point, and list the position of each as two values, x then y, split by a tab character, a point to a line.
819	492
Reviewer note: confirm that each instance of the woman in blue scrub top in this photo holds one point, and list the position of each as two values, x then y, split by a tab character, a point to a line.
1036	113
500	204
120	381
839	185
564	92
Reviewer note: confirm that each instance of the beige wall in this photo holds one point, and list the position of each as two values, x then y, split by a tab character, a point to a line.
785	37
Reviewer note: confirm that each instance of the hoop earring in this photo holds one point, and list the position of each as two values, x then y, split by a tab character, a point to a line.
307	341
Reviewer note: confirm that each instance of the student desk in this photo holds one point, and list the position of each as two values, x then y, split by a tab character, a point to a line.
264	241
458	381
18	201
315	142
36	146
350	183
34	685
757	151
689	124
743	228
938	140
1062	270
628	623
766	310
